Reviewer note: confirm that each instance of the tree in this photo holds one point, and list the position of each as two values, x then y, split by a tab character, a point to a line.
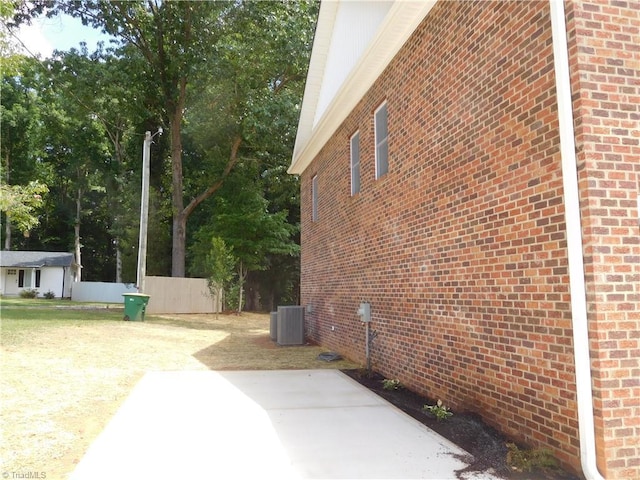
264	68
21	143
76	147
99	92
54	130
242	219
224	79
220	264
172	38
21	203
10	57
256	50
279	284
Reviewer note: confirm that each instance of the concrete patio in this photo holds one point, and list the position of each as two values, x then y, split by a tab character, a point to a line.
265	424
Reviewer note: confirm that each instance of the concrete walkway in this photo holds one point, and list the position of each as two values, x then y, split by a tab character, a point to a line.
265	424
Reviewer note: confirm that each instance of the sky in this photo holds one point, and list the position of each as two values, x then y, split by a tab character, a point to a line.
58	33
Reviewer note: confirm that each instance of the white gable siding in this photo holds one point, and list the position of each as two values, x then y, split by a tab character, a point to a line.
353	44
356	23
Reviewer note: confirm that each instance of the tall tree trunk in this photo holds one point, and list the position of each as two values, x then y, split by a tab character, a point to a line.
7	233
7	225
77	237
118	262
179	241
252	297
115	136
242	275
179	215
180	219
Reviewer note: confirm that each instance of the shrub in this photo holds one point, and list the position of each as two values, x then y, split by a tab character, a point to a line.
530	460
391	384
29	293
232	296
49	295
438	410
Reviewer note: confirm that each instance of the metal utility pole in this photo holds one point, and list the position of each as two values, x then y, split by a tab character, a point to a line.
144	210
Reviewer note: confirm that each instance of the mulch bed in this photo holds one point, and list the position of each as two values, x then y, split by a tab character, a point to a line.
467	430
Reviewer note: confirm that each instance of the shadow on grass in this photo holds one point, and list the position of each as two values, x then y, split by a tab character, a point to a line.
256	351
247	344
183	323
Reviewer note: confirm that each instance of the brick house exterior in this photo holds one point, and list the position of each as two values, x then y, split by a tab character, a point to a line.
462	247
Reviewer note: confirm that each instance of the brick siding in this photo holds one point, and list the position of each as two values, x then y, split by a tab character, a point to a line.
605	54
461	248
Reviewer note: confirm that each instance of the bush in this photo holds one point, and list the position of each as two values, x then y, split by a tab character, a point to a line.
523	460
49	295
232	296
438	410
391	384
29	293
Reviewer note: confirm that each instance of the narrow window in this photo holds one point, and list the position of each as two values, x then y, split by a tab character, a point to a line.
38	274
382	141
355	163
314	198
20	278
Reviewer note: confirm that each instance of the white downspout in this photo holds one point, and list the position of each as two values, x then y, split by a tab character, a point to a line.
582	358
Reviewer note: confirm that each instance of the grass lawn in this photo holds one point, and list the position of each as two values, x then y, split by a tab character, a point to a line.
20	318
16	302
66	367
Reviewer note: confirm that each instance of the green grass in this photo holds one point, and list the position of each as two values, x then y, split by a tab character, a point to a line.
20	316
11	302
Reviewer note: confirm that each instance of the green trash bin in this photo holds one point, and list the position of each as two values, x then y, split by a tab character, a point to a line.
135	305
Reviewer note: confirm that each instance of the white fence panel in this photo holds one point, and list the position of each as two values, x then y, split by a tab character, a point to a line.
100	291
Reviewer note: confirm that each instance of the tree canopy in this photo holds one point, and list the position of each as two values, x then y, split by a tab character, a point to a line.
223	79
20	204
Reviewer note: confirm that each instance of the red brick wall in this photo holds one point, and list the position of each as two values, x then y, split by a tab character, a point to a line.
605	58
461	247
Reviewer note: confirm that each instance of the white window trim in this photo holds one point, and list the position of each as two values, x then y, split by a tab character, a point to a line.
352	163
377	142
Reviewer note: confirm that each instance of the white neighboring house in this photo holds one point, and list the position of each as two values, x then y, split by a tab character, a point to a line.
41	271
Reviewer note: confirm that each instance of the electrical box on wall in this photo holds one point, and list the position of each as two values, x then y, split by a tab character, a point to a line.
365	312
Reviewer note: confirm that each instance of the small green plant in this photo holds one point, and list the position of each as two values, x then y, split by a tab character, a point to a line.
438	410
29	293
529	460
391	384
49	295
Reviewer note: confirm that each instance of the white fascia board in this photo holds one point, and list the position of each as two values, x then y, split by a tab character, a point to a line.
401	21
315	74
355	26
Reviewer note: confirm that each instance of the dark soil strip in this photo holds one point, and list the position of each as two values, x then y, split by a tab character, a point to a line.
467	430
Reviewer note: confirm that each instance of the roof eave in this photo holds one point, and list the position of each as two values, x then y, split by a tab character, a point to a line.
401	21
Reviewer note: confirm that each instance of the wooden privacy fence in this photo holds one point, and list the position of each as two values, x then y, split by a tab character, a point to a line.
180	295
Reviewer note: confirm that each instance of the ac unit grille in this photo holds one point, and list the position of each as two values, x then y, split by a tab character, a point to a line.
290	325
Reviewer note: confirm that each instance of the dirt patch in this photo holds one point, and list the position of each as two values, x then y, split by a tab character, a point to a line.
467	430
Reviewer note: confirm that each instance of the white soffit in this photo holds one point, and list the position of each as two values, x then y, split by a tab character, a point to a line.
355	25
354	42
